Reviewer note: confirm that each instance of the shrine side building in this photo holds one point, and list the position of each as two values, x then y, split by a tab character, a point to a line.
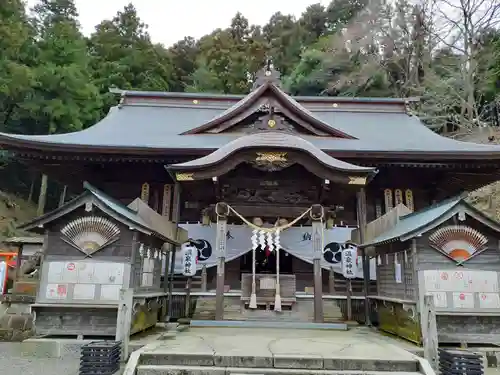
209	162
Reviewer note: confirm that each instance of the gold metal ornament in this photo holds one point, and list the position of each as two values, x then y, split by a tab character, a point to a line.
357	180
271	157
184	176
145	192
271	123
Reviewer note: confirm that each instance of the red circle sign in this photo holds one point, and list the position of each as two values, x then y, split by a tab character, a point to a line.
462	296
71	266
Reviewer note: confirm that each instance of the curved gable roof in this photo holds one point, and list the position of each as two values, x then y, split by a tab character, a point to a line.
273	140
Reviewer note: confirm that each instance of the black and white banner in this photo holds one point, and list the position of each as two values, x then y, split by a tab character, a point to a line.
295	241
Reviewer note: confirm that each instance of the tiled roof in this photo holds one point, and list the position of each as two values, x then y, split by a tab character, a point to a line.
158	128
413	224
109	205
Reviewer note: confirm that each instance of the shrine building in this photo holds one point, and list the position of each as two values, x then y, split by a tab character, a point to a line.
270	188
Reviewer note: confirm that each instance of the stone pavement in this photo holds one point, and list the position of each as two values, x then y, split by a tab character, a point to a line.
14	362
355	343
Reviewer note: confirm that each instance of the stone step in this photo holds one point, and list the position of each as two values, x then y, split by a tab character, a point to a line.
202	370
287	361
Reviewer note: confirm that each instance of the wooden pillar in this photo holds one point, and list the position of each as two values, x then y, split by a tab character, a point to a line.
62	197
331	281
317	241
175	218
204	278
361	218
429	331
167	248
187	301
221	212
124	320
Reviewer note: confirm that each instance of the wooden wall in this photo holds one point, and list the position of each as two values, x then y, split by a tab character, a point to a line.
467	328
397	302
137	264
386	272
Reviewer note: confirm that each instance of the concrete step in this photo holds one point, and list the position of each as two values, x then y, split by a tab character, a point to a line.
303	361
202	370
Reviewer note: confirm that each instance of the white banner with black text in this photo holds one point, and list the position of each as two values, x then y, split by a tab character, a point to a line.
295	241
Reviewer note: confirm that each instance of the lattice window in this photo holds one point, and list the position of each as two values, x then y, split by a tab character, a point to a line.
408	276
147	274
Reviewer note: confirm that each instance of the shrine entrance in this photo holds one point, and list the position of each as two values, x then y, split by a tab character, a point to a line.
265	262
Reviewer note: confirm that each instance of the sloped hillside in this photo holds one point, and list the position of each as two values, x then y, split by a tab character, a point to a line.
487	199
13	211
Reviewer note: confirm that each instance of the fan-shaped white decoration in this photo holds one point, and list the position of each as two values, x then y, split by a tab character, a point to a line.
141	250
459	242
91	233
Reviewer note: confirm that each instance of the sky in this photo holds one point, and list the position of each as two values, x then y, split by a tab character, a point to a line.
172	20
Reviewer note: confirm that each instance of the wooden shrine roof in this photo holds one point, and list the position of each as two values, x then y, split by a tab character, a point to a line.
133	218
153	124
417	223
276	141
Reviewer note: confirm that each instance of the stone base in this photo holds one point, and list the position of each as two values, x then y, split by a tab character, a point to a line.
16	321
199	370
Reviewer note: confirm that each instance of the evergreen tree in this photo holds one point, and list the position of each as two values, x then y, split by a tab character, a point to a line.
65	98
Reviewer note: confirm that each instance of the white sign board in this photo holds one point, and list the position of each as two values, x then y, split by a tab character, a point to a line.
267	283
87	272
349	268
440	299
463	300
189	259
467	281
462	289
80	281
398	273
3	276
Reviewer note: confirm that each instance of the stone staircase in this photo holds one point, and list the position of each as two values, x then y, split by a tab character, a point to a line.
301	311
151	363
284	351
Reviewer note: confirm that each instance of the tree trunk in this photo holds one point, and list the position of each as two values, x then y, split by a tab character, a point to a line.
62	198
42	198
32	189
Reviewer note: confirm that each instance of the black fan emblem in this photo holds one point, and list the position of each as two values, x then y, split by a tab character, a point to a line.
332	252
204	249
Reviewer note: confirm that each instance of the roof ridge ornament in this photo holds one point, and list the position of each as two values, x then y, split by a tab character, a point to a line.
268	74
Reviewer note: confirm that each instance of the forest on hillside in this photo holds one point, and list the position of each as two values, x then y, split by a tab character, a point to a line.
53	79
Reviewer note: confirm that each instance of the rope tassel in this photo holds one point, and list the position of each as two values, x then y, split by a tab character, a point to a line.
277	298
253	295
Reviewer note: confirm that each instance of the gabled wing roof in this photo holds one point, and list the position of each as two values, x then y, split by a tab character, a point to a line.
107	204
289	102
414	224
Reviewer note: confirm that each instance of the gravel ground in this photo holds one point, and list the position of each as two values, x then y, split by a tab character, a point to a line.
12	362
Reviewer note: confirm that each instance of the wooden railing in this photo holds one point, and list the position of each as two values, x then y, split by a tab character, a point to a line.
357	286
378	226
